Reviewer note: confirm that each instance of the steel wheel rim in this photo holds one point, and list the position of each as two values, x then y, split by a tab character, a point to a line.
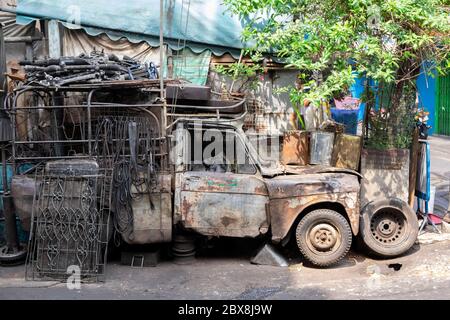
388	227
323	238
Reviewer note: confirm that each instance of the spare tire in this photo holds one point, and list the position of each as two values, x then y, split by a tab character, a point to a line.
388	227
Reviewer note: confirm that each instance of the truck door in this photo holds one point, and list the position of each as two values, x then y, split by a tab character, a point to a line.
220	193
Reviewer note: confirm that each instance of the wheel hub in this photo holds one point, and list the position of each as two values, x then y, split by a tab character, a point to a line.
387	227
323	237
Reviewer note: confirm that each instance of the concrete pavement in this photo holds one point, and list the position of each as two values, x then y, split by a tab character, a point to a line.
440	172
424	273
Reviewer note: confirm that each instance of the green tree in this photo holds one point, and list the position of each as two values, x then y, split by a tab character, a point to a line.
331	42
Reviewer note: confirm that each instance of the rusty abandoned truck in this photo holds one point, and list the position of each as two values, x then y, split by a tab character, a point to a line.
164	188
318	207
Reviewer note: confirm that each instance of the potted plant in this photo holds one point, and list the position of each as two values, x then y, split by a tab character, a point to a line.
388	133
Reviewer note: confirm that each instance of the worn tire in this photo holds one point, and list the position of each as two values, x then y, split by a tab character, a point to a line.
388	227
323	237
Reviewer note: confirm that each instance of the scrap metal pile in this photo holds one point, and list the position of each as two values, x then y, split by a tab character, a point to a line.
94	152
93	68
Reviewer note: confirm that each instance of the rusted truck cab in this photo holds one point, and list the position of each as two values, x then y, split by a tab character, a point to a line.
248	196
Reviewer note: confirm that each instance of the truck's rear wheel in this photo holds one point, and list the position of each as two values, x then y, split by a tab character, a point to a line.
324	237
388	227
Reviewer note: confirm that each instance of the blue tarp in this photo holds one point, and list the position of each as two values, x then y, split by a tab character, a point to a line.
209	24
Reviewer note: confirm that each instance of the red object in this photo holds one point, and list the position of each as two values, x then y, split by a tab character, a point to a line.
435	218
348	103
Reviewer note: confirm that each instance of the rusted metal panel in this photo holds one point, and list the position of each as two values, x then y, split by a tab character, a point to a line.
177	198
295	148
152	215
223	183
224	204
290	195
346	152
23	189
303	170
283	212
311	184
215	214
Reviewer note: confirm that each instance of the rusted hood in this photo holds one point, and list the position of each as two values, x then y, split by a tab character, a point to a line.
311	182
289	169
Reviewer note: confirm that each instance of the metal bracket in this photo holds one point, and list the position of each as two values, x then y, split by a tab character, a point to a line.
139	257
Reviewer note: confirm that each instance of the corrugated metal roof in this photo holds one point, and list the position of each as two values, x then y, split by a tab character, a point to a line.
204	24
13	30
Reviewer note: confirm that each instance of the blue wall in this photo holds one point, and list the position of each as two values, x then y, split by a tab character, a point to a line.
357	91
426	85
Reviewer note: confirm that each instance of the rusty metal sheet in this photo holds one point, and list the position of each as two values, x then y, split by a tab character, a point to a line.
311	184
223	183
216	214
152	215
284	211
295	148
224	204
291	169
346	151
290	195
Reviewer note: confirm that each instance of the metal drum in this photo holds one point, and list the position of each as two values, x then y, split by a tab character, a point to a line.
321	147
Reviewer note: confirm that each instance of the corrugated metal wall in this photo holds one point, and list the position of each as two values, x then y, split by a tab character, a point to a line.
443	106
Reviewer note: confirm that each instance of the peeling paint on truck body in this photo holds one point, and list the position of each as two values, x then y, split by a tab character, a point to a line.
249	205
291	195
224	204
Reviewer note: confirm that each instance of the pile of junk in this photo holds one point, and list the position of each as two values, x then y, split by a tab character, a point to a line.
84	145
101	152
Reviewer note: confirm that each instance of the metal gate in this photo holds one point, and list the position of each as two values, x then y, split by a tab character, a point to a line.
443	106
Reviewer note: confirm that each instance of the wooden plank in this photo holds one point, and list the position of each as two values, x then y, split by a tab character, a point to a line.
413	166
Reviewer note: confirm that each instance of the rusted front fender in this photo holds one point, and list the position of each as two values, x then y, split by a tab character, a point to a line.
291	195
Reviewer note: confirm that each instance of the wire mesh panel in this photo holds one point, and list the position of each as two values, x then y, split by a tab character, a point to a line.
44	131
70	223
122	133
128	143
76	131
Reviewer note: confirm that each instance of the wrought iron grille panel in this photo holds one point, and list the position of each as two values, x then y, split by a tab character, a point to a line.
70	226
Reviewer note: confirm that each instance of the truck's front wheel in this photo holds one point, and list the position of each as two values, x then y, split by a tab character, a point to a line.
324	237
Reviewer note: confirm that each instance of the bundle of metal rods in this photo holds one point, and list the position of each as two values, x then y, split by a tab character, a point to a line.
93	68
